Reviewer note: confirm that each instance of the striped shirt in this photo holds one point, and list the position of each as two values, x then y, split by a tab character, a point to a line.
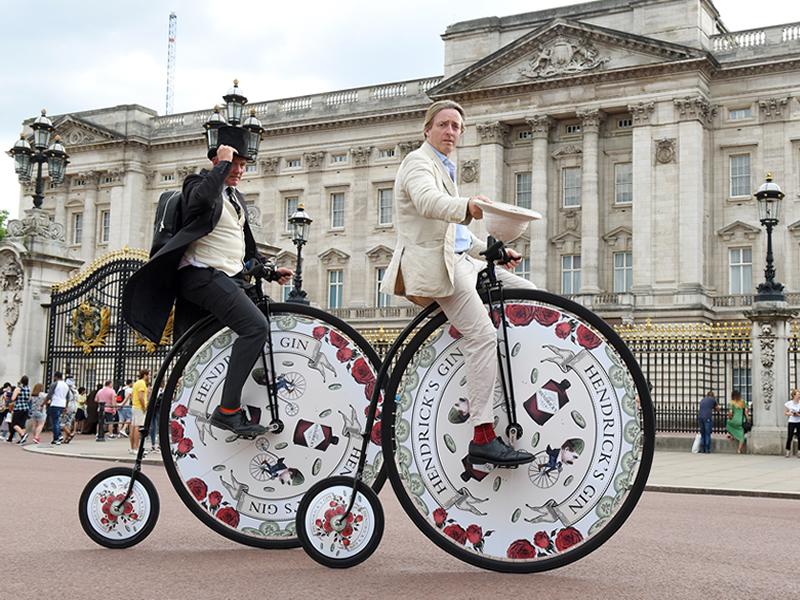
23	402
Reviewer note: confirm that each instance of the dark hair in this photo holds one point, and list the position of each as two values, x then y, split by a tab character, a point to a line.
81	390
736	395
6	384
58	375
23	380
128	381
143	372
108	382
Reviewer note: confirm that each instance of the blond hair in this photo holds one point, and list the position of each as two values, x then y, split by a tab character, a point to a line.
37	389
437	107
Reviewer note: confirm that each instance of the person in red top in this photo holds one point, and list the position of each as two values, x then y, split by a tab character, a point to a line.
106	396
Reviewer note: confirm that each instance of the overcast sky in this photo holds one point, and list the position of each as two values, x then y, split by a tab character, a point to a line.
74	56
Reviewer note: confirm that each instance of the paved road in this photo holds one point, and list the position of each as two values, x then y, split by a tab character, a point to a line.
674	546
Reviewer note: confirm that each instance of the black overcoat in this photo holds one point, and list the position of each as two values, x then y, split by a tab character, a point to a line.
152	290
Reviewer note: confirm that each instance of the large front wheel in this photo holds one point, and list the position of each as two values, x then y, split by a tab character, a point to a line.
585	414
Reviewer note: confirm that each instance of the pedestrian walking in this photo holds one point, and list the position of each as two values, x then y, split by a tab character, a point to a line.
736	417
104	397
708	405
139	404
793	424
124	409
21	403
56	403
5	411
38	415
80	412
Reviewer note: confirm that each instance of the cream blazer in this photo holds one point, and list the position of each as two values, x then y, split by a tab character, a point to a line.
426	208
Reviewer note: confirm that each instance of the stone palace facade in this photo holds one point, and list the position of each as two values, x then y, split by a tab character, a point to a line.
640	130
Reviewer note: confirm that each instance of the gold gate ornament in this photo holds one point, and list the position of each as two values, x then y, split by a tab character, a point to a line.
90	325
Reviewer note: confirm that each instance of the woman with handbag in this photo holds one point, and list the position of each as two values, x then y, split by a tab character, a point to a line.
738	418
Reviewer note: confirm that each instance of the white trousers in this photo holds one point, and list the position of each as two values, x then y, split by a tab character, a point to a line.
467	313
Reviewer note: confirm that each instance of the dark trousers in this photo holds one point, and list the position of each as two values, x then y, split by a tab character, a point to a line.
224	298
705	435
54	412
794	429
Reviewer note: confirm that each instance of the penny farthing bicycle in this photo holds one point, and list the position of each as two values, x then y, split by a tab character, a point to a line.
569	391
311	388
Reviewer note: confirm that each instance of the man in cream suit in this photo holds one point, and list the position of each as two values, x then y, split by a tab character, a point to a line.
437	259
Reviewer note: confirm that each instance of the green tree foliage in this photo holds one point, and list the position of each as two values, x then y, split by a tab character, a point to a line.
3	220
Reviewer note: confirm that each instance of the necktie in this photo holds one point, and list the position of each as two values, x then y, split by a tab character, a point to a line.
232	198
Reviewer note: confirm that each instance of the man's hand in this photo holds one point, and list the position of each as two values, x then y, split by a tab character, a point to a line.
514	258
285	275
225	153
473	209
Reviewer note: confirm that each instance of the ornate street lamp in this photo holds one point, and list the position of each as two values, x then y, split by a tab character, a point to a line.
254	129
215	121
234	102
54	155
300	222
769	197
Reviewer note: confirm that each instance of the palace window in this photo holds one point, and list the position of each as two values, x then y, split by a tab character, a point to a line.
337	210
167	177
385	197
624	123
571	274
251	167
740	175
291	206
523	189
571	186
742	381
740	262
623	272
525	134
572	129
286	289
740	114
386	153
77	228
293	163
105	226
523	269
381	299
335	288
338	158
623	183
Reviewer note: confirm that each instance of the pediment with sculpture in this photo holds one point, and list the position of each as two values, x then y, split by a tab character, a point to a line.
564	49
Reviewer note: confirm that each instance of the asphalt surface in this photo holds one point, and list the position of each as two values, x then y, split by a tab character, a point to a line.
673	546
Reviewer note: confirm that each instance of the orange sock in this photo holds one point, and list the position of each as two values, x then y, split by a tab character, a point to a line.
228	411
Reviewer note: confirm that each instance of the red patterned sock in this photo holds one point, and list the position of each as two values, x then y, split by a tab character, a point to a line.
484	433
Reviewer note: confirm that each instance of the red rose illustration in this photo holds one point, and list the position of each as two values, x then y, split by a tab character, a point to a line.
197	487
563	330
229	516
338	340
344	354
368	389
439	516
519	314
362	372
175	431
185	446
454	333
495	315
474	534
319	332
180	411
214	499
456	532
521	549
541	539
567	537
587	338
545	316
375	434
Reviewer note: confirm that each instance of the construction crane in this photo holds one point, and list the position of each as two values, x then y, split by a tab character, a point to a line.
173	21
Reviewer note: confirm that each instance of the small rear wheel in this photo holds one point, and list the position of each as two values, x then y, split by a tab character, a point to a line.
111	520
328	535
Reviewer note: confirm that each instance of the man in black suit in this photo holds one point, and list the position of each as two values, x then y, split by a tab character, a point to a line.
200	269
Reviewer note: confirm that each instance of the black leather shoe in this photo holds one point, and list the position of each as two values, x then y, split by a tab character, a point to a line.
497	452
237	423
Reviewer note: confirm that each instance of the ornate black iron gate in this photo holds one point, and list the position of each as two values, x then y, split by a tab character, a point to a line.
88	337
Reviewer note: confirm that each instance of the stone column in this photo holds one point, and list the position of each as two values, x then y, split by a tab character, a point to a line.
694	113
89	236
493	137
770	368
590	203
540	128
642	167
60	196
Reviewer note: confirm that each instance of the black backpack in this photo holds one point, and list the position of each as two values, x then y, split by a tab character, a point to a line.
167	221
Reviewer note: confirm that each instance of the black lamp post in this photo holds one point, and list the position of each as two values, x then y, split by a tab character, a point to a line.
300	222
769	197
54	155
234	111
254	130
